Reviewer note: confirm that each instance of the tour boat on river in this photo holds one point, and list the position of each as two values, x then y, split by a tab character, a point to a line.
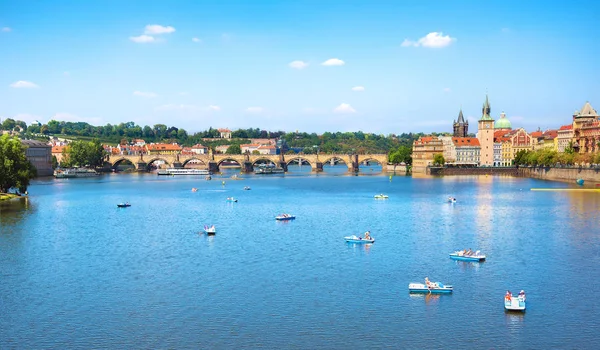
182	171
268	169
74	172
464	255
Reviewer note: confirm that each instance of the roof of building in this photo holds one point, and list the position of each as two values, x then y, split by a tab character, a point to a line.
197	146
550	134
536	134
566	127
503	122
58	149
423	140
250	145
35	143
223	130
486	110
465	141
461	118
163	147
588	111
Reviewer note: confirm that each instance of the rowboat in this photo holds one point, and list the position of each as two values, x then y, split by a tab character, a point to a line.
285	217
123	205
434	288
356	239
462	256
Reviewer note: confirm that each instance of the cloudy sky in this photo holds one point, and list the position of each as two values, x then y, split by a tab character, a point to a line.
338	65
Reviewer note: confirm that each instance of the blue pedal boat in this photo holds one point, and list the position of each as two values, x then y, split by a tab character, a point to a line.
435	288
461	256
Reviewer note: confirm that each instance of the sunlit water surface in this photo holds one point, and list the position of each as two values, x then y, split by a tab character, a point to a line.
78	272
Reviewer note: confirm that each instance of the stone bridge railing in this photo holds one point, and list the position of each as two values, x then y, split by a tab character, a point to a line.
212	162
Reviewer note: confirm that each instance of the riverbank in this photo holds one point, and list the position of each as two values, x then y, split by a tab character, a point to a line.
562	174
7	196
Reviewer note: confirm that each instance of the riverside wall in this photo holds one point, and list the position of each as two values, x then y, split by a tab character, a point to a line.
562	174
509	171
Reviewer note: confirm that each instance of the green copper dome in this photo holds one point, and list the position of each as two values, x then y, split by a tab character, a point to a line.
502	123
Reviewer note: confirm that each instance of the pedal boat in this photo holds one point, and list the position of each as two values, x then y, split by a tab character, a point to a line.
356	239
475	257
436	288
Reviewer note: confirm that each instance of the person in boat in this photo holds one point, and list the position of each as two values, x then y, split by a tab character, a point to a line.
469	252
508	295
522	294
368	235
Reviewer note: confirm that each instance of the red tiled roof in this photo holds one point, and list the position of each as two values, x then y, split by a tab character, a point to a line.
465	141
536	134
58	149
163	147
550	134
566	127
196	146
223	130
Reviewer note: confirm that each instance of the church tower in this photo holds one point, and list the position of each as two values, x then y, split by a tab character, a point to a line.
485	135
461	128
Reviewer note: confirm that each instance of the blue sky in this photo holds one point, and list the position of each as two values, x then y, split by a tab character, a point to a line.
395	66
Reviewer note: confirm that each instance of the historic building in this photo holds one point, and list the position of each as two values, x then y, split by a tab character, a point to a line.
461	127
520	140
423	151
467	150
485	135
565	136
449	149
586	130
39	154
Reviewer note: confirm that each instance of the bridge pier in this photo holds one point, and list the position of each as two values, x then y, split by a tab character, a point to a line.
247	167
284	166
142	166
355	164
177	164
318	167
213	167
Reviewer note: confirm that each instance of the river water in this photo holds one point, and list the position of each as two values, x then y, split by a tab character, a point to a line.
77	272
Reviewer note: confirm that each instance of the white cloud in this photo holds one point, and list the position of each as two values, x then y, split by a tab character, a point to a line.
214	108
144	94
5	29
344	108
156	29
254	109
446	89
431	40
142	39
333	62
298	64
197	40
24	84
358	88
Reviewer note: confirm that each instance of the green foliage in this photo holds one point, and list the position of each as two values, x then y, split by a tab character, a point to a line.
438	159
569	149
401	155
84	153
15	169
234	149
54	162
255	152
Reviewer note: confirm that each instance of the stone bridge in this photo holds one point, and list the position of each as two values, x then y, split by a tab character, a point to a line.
212	162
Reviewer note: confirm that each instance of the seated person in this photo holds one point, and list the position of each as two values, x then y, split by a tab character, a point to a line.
367	235
508	295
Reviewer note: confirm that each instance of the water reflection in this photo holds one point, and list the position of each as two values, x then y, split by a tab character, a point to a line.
14	210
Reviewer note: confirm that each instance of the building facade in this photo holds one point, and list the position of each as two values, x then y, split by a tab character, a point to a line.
423	151
468	150
565	137
39	155
586	130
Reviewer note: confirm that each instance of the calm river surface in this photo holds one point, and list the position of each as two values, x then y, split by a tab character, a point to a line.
77	272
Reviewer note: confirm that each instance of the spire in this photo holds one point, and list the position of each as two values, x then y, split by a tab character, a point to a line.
486	110
461	119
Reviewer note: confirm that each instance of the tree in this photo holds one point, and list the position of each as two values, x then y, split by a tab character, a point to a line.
15	169
8	124
84	153
402	155
438	159
234	149
255	152
569	149
54	162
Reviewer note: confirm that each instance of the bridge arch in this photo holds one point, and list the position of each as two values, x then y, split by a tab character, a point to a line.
230	159
263	159
288	161
197	159
151	161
